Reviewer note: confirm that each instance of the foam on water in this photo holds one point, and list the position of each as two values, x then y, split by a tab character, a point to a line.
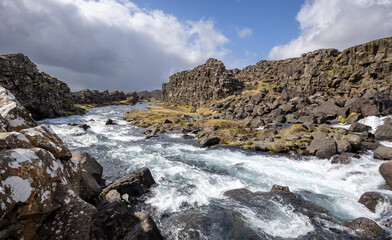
374	122
189	176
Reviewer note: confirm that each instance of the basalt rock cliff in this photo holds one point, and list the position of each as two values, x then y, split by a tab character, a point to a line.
42	95
359	71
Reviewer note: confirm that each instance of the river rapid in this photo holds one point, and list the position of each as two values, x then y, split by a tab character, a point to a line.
193	179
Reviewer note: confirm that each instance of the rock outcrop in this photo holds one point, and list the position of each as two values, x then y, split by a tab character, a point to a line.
44	193
42	95
87	96
150	96
203	84
360	71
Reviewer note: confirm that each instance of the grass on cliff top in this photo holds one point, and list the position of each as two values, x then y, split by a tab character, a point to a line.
255	89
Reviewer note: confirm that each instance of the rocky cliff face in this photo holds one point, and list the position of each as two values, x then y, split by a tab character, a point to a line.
203	84
42	95
155	95
359	71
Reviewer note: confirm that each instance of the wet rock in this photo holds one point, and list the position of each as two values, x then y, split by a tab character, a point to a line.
186	136
384	132
372	199
147	229
383	153
280	189
84	126
322	147
109	122
113	221
90	165
133	184
359	127
343	146
44	137
209	141
386	172
151	131
344	158
113	196
367	228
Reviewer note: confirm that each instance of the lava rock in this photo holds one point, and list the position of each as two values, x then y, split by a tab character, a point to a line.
367	228
383	153
386	172
209	141
372	199
109	122
359	127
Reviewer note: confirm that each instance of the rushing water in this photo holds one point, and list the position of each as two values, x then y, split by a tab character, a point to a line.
192	178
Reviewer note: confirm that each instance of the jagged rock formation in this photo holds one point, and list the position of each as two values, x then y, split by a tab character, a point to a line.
87	96
43	192
360	71
42	95
155	95
205	83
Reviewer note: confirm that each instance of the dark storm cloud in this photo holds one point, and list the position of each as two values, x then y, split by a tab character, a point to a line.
105	44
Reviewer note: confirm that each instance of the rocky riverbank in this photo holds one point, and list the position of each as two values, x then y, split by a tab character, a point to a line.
47	192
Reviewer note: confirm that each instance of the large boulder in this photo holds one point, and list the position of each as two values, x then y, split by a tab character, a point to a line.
367	228
91	176
13	113
322	147
133	184
38	196
116	220
372	199
359	127
383	153
44	137
384	132
386	172
209	141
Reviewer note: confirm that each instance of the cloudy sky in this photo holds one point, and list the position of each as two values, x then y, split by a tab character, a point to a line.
137	44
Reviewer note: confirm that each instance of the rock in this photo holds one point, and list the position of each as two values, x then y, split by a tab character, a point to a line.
343	146
344	158
133	184
87	96
384	132
146	230
372	199
354	140
209	141
13	140
91	176
109	122
42	95
359	127
186	136
386	172
89	165
15	116
151	131
280	189
113	221
44	137
383	153
113	196
322	147
366	228
84	126
48	196
166	121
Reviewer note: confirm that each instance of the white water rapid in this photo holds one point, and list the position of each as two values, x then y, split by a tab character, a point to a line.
191	178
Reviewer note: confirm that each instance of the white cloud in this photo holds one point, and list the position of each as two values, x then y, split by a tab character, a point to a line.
106	44
337	24
244	32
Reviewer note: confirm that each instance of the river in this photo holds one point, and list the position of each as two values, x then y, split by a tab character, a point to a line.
190	178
